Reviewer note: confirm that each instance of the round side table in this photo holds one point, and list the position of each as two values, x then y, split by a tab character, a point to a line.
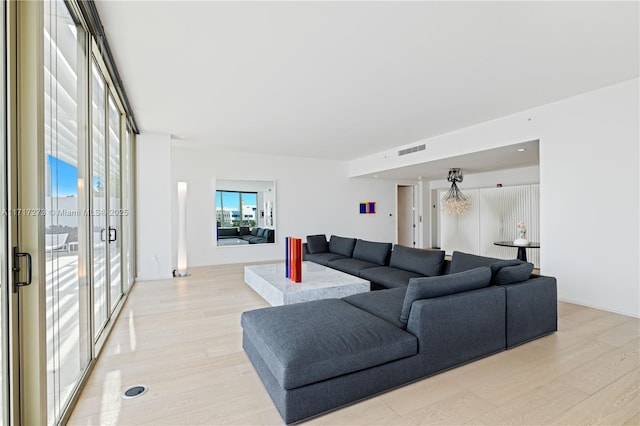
522	253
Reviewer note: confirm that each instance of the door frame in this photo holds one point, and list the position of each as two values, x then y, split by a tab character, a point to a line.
10	341
417	216
27	231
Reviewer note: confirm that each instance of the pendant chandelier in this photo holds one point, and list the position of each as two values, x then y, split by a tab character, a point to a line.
455	202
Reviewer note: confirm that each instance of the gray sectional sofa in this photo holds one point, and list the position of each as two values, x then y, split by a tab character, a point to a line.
316	356
374	261
253	236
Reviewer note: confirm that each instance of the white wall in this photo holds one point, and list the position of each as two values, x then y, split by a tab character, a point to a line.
589	179
589	185
312	196
589	188
153	207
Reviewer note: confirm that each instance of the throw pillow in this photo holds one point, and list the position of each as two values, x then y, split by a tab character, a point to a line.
443	285
317	244
513	274
464	261
496	266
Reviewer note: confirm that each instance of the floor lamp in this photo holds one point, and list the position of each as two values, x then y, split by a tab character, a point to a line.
181	269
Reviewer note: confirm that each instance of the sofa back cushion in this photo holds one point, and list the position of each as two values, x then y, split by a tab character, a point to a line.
373	252
268	235
341	245
443	285
425	262
227	232
510	272
317	244
461	262
244	230
254	232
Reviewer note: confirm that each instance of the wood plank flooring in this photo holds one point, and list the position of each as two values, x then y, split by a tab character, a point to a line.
182	338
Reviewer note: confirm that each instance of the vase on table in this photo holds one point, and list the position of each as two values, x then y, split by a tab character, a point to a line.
522	235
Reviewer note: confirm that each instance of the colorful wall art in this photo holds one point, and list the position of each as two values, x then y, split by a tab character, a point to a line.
368	207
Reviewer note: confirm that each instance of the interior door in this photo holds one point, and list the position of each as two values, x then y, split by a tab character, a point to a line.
406	214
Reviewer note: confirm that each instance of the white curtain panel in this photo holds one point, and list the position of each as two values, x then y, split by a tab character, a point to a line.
493	216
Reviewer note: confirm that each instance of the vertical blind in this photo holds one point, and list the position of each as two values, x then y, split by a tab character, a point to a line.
493	216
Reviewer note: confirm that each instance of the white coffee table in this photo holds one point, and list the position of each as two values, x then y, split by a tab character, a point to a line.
318	282
232	242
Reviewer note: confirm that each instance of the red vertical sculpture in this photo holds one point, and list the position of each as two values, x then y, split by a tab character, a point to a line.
293	259
296	270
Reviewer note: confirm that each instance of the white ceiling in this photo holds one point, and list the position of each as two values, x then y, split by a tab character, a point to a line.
341	80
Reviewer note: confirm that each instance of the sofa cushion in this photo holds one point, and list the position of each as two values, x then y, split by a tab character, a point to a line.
388	277
345	339
496	266
512	274
424	262
254	232
385	304
227	232
269	235
341	245
317	243
244	230
372	252
323	258
444	285
464	261
350	265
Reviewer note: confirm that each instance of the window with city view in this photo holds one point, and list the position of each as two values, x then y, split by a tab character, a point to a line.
234	208
245	212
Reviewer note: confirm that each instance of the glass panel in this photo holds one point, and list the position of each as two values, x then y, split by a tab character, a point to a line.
115	205
99	199
127	221
68	348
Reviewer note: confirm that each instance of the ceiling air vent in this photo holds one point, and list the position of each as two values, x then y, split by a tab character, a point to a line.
411	150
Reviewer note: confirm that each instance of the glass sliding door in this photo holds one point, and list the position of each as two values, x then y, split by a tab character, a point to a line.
66	239
62	179
106	201
98	198
114	213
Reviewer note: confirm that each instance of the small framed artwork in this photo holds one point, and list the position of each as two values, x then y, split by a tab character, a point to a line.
368	207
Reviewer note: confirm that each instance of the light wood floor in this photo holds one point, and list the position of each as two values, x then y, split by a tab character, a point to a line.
182	338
